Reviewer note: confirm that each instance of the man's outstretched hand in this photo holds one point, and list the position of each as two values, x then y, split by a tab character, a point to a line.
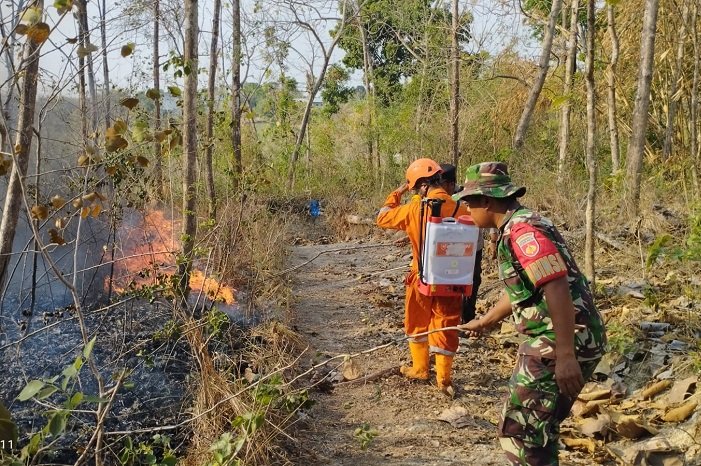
472	328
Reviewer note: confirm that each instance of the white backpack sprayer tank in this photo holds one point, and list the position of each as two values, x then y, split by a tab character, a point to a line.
447	253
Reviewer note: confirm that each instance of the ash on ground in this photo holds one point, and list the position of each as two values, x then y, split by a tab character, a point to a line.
136	337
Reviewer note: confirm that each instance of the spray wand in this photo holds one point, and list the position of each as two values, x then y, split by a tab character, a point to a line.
435	206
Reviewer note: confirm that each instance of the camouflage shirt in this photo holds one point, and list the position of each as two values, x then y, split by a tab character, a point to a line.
532	252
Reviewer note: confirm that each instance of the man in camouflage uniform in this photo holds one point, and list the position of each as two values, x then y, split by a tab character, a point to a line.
552	305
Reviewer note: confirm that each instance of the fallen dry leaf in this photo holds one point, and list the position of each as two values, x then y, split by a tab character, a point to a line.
598	425
578	408
655	389
681	413
580	443
633	427
583	409
674	442
629	404
681	390
595	395
350	370
457	417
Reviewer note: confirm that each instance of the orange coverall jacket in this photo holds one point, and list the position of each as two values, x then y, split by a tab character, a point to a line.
424	313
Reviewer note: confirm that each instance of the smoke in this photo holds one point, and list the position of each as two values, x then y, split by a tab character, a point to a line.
32	283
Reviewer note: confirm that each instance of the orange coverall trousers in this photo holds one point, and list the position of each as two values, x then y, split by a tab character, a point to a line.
423	313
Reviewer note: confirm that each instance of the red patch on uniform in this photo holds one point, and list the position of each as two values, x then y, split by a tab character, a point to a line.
528	244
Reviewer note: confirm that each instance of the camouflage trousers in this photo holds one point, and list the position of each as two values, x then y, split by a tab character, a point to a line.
530	421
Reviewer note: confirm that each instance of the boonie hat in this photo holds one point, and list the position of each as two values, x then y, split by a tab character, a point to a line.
489	179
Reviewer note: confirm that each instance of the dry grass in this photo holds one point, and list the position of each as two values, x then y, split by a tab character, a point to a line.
223	400
238	389
250	247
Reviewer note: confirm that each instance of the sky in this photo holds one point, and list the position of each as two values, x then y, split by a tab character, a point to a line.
497	25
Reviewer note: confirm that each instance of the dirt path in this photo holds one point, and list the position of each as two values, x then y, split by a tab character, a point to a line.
343	305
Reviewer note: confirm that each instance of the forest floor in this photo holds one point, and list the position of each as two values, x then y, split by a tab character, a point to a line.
347	303
349	298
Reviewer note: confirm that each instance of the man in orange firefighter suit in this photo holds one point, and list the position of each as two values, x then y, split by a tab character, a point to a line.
423	313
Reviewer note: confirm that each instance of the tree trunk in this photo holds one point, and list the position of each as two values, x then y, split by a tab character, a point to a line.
157	154
37	245
611	79
23	143
189	151
590	214
9	102
82	97
544	65
370	101
694	123
85	34
105	66
455	87
419	119
672	100
236	93
211	88
636	146
308	148
570	68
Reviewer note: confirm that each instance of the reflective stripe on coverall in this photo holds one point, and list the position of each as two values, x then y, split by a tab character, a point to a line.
424	313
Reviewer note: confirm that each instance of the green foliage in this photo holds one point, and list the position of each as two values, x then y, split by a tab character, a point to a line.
180	67
335	90
271	393
226	447
216	321
689	250
693	240
695	357
248	423
63	6
8	429
157	452
278	102
621	338
541	9
652	297
223	451
365	435
656	249
60	391
297	400
170	332
146	357
396	33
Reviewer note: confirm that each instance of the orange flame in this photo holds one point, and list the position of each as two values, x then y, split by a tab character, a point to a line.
145	256
211	288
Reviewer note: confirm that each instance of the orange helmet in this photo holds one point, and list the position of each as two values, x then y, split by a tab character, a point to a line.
421	168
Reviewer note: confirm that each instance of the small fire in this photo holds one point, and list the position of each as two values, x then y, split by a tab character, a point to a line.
211	288
145	256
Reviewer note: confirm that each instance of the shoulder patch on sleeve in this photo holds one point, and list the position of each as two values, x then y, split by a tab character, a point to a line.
537	254
528	244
